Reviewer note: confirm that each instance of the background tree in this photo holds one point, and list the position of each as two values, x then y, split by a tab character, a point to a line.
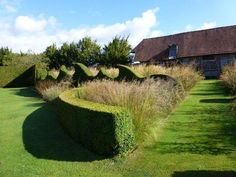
5	55
89	51
116	52
52	54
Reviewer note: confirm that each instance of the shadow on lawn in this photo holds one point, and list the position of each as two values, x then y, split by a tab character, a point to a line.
205	173
218	100
44	138
201	127
25	92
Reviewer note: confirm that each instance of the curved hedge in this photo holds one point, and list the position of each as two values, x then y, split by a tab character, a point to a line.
103	129
63	73
17	76
164	77
128	74
82	74
102	74
51	76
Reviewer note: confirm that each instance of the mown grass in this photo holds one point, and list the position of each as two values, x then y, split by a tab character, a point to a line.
197	140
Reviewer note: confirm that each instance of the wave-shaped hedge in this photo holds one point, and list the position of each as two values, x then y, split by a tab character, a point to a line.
103	129
83	74
17	76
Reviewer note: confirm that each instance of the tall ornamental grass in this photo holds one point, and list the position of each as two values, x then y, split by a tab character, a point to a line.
229	76
50	90
147	101
187	75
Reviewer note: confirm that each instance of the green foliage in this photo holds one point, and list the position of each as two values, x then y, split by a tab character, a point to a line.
63	73
68	53
86	51
165	77
28	59
102	74
103	129
41	74
89	51
17	76
116	52
51	75
82	74
128	74
52	54
5	55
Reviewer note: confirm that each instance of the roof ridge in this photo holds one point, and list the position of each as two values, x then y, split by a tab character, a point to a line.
187	32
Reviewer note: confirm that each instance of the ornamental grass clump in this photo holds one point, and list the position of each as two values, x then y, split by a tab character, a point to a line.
187	75
50	90
147	101
229	76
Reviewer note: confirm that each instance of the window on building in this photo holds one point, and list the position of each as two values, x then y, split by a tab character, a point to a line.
173	51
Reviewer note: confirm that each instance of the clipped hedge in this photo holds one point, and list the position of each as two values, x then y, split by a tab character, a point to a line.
103	129
17	76
63	73
51	76
102	74
82	74
41	74
128	74
166	78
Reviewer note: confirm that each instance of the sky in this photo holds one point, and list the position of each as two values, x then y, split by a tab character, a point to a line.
32	25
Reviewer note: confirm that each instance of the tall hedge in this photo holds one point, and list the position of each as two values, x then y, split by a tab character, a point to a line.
17	76
103	129
63	73
128	74
102	74
82	74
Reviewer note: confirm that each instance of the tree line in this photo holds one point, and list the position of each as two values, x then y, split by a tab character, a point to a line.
86	51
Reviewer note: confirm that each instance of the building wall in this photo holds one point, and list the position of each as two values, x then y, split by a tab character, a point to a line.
211	66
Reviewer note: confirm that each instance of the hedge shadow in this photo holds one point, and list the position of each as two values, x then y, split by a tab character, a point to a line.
44	138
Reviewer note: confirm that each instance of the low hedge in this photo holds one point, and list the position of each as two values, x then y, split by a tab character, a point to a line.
17	76
102	74
128	74
63	73
103	129
41	74
82	74
51	76
164	77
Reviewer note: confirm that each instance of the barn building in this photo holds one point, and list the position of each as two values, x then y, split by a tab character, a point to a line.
210	49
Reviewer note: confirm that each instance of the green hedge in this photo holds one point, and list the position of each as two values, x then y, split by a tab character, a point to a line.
167	78
51	76
103	129
82	74
41	73
17	76
102	74
128	74
63	73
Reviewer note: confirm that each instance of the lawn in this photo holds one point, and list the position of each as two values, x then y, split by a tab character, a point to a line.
197	140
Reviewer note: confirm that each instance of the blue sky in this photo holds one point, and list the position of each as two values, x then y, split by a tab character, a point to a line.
35	24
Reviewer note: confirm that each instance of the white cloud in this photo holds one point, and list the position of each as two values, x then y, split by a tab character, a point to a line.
207	25
30	24
189	27
37	33
10	6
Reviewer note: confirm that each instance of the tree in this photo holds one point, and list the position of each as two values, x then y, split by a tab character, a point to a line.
5	55
52	54
89	51
117	52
